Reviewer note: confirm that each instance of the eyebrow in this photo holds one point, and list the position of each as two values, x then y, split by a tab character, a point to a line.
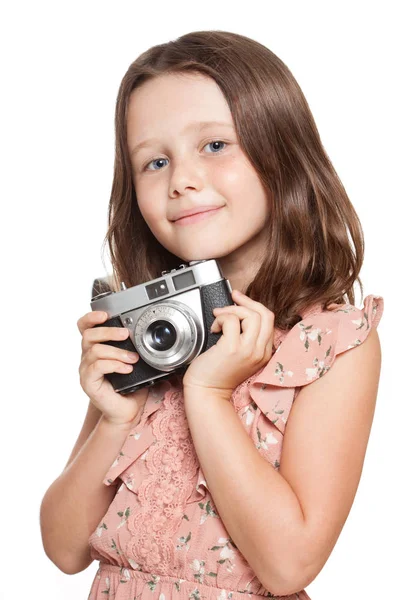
194	125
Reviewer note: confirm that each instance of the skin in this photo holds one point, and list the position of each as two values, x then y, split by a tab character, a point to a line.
189	170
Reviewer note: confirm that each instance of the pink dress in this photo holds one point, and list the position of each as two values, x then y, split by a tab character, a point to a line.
162	536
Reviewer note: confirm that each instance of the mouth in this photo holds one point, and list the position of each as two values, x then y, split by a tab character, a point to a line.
207	214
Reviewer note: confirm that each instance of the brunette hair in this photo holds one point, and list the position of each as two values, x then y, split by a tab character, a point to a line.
310	259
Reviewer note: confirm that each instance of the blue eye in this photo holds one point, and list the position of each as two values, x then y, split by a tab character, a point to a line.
156	160
159	160
215	142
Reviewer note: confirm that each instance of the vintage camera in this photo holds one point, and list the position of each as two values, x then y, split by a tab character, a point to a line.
168	319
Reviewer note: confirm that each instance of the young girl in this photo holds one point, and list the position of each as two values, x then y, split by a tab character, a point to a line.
237	477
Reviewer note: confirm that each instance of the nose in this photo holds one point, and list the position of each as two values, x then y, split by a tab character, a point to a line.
186	174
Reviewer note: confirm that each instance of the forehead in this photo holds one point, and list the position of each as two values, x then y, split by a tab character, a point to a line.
170	102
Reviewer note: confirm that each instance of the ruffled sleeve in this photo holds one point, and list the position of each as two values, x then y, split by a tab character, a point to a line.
308	351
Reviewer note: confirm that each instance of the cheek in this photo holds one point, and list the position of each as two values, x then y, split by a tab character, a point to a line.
229	175
149	202
236	175
245	193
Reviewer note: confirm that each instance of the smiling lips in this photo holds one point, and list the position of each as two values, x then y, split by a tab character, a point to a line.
205	213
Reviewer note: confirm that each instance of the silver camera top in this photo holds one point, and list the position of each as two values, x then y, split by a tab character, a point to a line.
179	280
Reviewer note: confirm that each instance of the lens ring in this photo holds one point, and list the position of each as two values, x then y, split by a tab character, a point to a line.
188	330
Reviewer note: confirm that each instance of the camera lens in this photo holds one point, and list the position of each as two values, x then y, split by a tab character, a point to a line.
162	335
169	334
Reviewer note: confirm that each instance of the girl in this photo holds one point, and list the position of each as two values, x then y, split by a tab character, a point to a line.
237	477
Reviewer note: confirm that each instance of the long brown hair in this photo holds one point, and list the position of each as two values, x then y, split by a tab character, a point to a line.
310	259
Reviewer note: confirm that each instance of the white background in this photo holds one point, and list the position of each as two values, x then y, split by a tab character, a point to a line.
62	64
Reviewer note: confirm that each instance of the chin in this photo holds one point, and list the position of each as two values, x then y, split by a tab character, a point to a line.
203	253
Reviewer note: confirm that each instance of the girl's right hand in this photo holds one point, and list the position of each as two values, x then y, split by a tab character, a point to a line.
98	359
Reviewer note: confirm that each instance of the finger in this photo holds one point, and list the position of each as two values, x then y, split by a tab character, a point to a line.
102	334
105	351
251	322
97	369
244	300
230	326
90	319
266	336
267	329
241	311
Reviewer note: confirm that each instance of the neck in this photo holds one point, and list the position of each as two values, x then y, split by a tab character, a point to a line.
241	266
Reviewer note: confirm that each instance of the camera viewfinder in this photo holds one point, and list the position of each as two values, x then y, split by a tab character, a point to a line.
157	289
183	280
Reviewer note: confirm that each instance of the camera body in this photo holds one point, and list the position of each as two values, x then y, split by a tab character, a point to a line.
168	319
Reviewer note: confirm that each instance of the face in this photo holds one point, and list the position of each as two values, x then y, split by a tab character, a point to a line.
179	167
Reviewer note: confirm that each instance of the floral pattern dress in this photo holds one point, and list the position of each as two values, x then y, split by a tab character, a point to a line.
162	537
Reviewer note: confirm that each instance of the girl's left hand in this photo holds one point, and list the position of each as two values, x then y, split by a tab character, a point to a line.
236	356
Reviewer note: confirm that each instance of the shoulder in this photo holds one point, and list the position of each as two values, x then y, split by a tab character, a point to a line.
351	382
309	351
310	348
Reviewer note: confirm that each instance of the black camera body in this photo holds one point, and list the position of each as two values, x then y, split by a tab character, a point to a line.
168	319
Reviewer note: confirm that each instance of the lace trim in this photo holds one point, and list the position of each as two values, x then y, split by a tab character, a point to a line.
172	464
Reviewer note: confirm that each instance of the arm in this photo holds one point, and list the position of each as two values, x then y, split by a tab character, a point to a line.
73	505
286	523
91	419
